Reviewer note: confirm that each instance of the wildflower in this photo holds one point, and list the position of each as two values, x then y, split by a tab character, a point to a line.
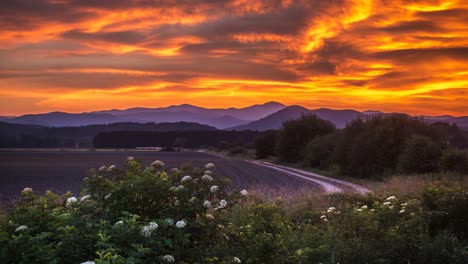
387	203
176	202
404	204
207	204
193	199
21	228
206	178
244	192
364	207
153	226
236	260
71	201
208	172
26	190
169	221
169	259
331	209
209	217
391	198
181	224
391	207
111	168
179	188
222	203
118	223
102	168
88	262
372	210
146	231
402	211
158	164
323	217
174	170
186	179
172	189
214	188
109	195
359	210
130	158
84	198
209	166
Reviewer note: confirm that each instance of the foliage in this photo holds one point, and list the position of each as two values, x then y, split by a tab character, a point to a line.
295	134
135	215
420	155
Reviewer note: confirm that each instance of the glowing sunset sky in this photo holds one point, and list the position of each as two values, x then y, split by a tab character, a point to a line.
83	55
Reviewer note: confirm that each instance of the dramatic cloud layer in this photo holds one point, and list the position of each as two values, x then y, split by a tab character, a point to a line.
81	55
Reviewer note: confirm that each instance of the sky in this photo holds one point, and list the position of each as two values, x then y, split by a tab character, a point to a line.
83	55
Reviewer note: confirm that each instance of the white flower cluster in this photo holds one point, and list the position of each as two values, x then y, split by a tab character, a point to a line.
88	262
207	178
21	228
236	260
244	192
222	204
27	190
207	204
403	207
103	168
186	179
130	158
214	188
84	198
111	168
210	166
146	231
168	258
181	224
208	172
71	201
158	164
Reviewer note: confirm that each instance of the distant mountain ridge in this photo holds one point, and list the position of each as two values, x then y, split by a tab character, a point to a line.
260	117
219	118
274	121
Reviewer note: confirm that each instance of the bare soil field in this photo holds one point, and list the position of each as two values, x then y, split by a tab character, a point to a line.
63	170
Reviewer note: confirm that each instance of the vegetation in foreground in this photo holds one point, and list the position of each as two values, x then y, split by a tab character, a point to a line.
143	214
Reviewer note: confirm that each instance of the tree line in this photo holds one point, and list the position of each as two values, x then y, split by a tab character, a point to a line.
223	139
369	147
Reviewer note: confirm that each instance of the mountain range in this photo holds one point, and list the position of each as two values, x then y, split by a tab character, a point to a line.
260	117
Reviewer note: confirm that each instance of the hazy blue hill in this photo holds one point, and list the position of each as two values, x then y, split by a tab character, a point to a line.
217	117
275	120
338	117
61	119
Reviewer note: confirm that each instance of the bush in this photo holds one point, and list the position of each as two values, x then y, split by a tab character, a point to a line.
137	215
454	160
420	155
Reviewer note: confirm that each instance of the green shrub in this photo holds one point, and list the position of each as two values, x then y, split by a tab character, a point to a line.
420	155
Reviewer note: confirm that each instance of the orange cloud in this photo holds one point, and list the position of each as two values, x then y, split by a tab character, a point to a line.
396	56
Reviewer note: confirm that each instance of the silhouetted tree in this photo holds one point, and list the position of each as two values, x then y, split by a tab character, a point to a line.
265	144
295	134
420	155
